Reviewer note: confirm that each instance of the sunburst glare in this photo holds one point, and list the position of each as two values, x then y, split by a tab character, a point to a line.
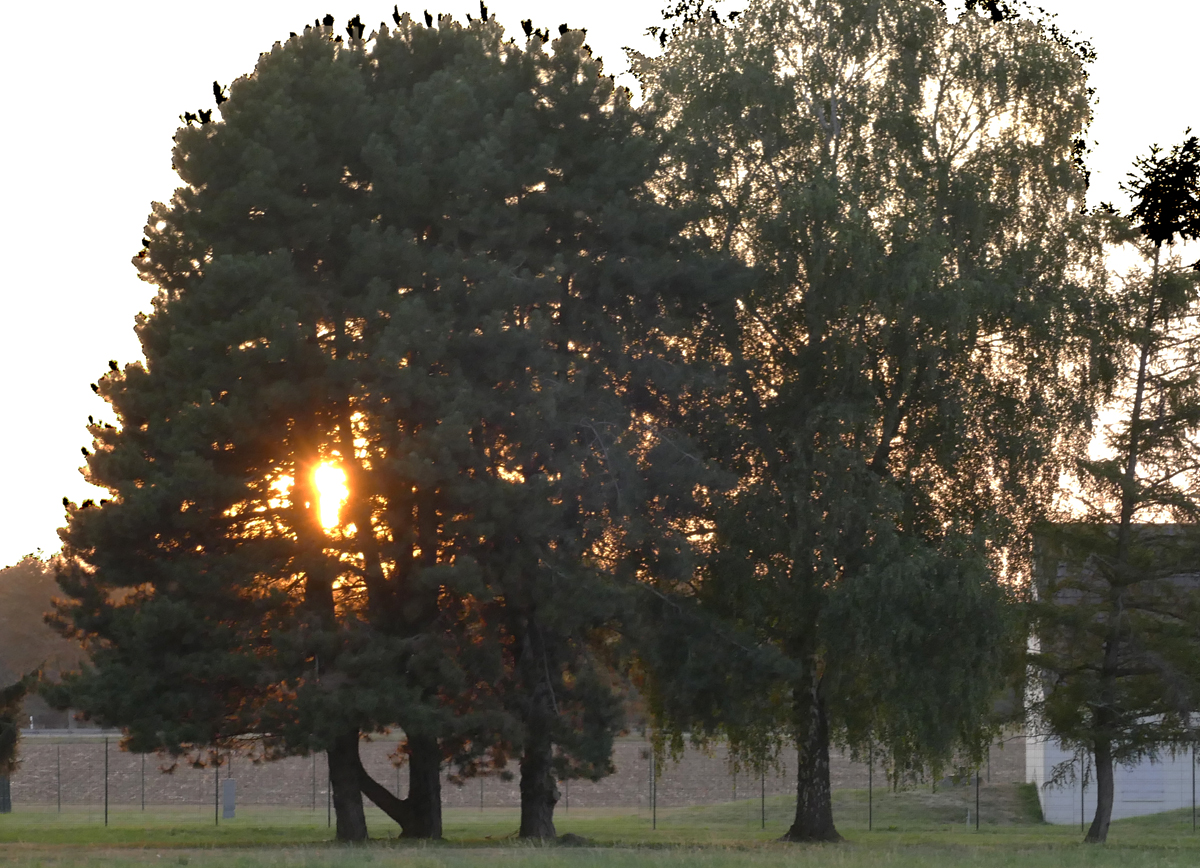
330	482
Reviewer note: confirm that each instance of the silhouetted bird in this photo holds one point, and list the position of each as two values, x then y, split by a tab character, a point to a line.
662	38
327	20
527	26
112	365
66	503
91	421
562	29
188	118
219	93
483	10
205	116
428	19
734	14
95	388
83	449
396	16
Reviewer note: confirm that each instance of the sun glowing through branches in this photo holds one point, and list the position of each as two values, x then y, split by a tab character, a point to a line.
330	482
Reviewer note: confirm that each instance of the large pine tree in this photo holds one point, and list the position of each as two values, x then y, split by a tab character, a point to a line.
426	260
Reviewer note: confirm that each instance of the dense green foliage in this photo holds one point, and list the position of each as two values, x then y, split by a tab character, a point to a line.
1118	617
910	370
423	258
793	472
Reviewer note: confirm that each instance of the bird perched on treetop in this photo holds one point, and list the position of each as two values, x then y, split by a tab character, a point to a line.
562	29
205	116
662	38
396	16
219	93
428	19
527	26
327	20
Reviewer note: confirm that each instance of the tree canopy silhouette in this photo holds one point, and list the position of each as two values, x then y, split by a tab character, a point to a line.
910	369
427	259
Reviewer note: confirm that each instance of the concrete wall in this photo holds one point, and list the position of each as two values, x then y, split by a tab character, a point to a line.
72	767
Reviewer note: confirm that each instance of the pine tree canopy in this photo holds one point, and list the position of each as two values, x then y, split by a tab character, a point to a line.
426	260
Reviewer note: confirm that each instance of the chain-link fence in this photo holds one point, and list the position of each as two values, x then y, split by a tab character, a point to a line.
81	776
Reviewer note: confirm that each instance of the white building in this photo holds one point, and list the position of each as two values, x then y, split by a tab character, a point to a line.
1146	788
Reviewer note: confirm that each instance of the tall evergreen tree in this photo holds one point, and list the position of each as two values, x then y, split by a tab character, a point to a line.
424	260
1118	628
909	369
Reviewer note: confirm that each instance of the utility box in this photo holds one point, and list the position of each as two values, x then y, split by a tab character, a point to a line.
228	798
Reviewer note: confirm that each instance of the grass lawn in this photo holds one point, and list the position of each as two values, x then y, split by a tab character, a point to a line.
913	828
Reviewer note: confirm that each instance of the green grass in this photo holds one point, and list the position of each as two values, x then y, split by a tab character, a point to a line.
913	828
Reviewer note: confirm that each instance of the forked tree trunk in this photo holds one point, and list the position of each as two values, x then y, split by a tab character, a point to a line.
419	815
1098	832
539	790
814	797
347	793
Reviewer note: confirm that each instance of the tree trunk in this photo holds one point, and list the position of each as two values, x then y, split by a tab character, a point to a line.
347	794
814	797
419	815
424	788
1098	833
539	791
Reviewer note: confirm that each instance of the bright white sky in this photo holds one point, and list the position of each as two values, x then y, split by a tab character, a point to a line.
92	99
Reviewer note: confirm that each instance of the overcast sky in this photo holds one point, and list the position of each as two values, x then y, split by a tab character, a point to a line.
92	99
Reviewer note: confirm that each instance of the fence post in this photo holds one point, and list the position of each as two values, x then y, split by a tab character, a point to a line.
976	800
870	787
106	781
143	782
58	776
